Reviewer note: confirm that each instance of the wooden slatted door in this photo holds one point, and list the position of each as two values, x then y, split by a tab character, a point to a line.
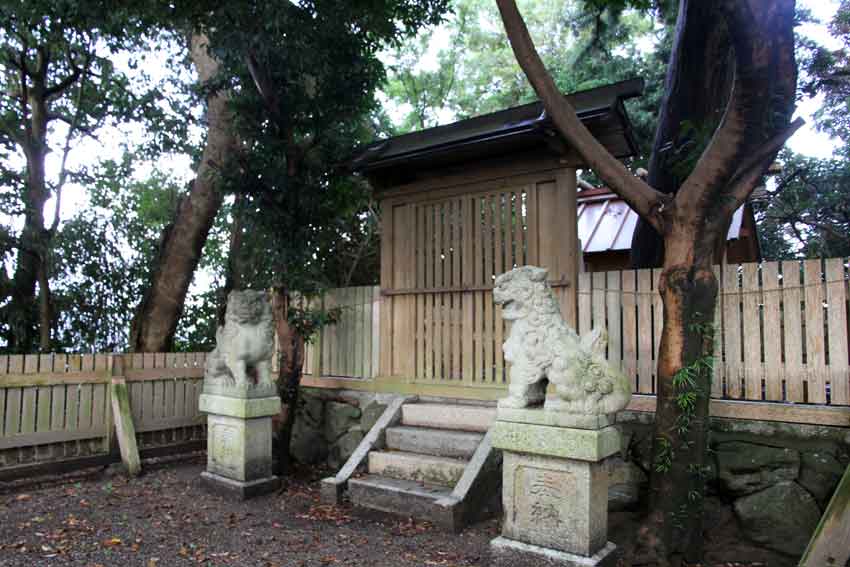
439	322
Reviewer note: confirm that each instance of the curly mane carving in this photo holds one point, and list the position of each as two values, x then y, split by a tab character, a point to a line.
542	348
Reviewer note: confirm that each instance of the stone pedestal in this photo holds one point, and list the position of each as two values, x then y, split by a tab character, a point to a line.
554	488
239	444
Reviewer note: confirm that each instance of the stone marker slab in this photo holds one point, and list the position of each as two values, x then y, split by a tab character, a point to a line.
581	444
555	503
555	419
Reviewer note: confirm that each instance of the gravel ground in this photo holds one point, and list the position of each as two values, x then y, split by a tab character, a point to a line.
165	519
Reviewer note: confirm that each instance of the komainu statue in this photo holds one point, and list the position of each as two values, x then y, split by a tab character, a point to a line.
542	348
245	344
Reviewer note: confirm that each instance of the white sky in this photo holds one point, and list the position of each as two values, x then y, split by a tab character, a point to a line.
806	141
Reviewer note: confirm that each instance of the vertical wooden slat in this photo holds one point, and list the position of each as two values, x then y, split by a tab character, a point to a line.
2	410
4	364
31	364
16	364
771	299
467	298
57	405
751	300
85	411
487	298
457	281
839	366
598	300
644	330
630	334
28	409
792	297
532	234
815	343
376	330
386	283
519	229
585	294
99	398
72	407
499	268
657	325
732	331
13	412
43	408
147	401
420	283
613	301
567	251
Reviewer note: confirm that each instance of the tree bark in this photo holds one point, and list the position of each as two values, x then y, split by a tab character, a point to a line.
34	239
696	89
291	362
182	242
753	128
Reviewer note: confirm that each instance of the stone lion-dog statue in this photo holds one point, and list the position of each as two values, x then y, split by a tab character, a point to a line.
542	348
245	344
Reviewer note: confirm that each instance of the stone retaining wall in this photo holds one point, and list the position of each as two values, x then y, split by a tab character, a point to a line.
776	477
329	424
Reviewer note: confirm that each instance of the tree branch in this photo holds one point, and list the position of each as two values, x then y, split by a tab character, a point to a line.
761	102
645	200
743	180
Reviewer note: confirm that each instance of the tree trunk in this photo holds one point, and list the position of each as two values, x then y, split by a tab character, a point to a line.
699	78
182	242
33	242
688	289
291	362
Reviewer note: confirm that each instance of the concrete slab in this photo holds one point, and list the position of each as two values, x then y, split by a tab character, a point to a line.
449	416
402	498
238	490
505	552
443	471
429	441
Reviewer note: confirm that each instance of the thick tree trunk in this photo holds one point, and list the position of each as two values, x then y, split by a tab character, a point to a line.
699	78
291	361
155	321
688	289
33	242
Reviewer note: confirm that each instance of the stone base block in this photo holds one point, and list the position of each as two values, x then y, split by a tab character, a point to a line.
236	489
506	552
570	443
240	449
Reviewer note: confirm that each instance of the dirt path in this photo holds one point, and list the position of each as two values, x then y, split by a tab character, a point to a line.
165	519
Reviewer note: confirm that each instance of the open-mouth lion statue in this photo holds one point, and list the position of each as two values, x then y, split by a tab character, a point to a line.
542	348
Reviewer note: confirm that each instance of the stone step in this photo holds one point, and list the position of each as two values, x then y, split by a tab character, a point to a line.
402	498
448	416
430	441
444	471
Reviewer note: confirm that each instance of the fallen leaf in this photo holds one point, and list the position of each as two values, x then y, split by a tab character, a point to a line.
22	497
111	542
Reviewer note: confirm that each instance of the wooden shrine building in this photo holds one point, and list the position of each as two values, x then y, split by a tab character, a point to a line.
461	204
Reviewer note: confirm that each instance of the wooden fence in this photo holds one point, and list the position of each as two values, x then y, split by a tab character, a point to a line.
55	408
349	348
781	336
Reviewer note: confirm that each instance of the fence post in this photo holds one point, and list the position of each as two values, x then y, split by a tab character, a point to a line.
318	340
123	418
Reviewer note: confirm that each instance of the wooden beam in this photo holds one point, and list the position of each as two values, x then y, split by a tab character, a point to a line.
830	544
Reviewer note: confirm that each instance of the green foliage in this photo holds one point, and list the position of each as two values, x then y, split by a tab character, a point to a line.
583	44
103	254
807	213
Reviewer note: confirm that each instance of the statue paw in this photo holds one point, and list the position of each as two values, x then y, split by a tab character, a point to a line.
514	402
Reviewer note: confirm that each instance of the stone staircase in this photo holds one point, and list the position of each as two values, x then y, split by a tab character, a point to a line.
435	463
